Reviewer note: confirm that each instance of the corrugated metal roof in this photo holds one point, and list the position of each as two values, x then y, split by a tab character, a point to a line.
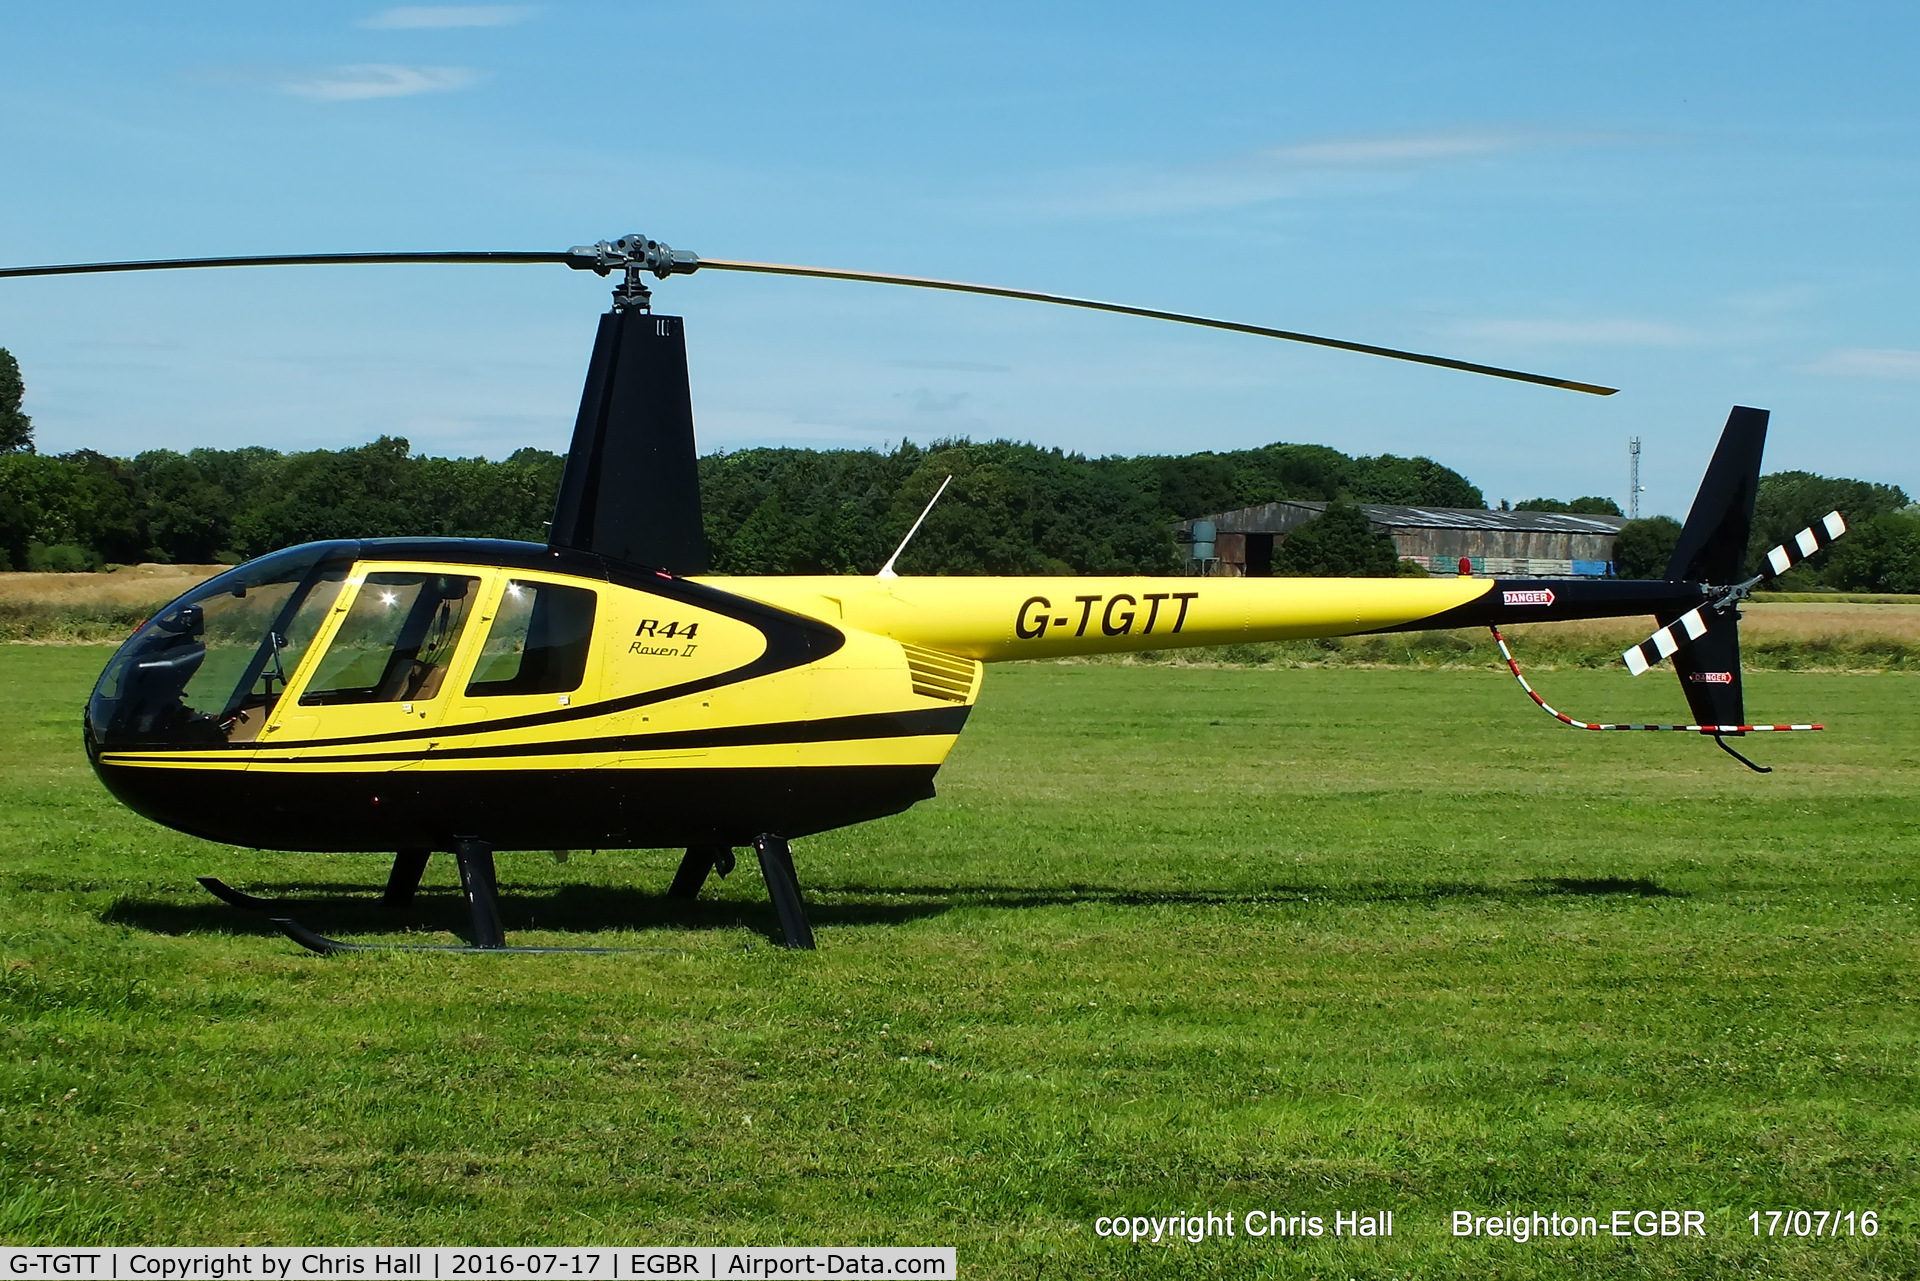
1480	518
1265	516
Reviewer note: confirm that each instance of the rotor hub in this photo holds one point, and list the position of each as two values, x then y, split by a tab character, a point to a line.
633	256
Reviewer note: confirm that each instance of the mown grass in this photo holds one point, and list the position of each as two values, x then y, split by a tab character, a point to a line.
1834	637
1171	939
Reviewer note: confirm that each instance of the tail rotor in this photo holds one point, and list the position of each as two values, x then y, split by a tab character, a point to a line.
1703	640
1693	624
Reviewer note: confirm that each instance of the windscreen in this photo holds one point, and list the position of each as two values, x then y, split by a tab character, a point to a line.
209	669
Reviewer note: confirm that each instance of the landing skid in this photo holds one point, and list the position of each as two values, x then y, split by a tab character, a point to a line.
327	947
479	885
238	898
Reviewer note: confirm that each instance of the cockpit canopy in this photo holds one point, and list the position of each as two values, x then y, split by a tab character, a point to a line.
209	668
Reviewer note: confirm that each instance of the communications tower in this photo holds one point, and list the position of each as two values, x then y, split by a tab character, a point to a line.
1633	478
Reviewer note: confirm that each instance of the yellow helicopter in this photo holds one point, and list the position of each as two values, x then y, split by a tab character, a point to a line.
599	691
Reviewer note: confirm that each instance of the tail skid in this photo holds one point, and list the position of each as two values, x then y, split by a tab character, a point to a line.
1716	731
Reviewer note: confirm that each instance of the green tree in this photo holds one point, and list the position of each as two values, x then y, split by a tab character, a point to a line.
1342	543
188	513
1018	509
1591	505
1789	501
1881	554
1409	482
1644	547
43	503
16	429
1189	485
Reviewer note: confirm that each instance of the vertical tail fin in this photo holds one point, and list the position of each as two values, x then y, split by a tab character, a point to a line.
1713	549
1713	545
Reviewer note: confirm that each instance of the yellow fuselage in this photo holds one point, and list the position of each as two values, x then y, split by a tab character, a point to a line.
694	710
992	620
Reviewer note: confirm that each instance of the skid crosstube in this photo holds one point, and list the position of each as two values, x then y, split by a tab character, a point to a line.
480	886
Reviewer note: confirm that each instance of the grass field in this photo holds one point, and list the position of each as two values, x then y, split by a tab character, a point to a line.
1172	939
90	607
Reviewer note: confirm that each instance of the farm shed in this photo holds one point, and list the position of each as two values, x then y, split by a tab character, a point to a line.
1500	544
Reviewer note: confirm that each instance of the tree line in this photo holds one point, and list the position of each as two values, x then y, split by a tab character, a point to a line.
1881	552
1011	508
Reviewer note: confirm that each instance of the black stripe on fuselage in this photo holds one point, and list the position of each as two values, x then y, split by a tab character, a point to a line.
1572	598
904	724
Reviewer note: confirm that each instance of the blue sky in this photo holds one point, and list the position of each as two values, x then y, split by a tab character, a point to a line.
1703	205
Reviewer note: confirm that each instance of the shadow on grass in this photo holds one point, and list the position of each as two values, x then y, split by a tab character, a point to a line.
1017	896
349	909
1637	887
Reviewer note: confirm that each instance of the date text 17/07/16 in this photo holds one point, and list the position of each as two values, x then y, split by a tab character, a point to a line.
1815	1223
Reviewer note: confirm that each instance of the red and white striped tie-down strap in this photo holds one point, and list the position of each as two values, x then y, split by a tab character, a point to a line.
1579	724
1692	625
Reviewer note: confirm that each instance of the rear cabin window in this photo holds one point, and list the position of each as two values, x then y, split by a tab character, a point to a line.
396	641
539	642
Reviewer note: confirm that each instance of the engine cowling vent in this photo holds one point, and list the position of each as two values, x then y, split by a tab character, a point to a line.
938	675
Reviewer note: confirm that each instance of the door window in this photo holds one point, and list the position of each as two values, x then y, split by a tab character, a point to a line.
539	641
396	641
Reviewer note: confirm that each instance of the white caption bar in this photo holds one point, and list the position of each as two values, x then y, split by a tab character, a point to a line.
446	1263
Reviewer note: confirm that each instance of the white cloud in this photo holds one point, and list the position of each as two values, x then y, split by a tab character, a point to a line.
1643	333
1868	362
1410	149
377	80
427	17
953	366
927	401
1271	173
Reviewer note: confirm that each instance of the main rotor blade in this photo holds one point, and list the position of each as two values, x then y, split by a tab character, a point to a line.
1152	313
581	259
282	260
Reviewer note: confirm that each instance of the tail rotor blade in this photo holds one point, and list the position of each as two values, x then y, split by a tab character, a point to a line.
1692	625
1666	642
1815	537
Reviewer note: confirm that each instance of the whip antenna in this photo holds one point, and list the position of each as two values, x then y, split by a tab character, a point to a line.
886	570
